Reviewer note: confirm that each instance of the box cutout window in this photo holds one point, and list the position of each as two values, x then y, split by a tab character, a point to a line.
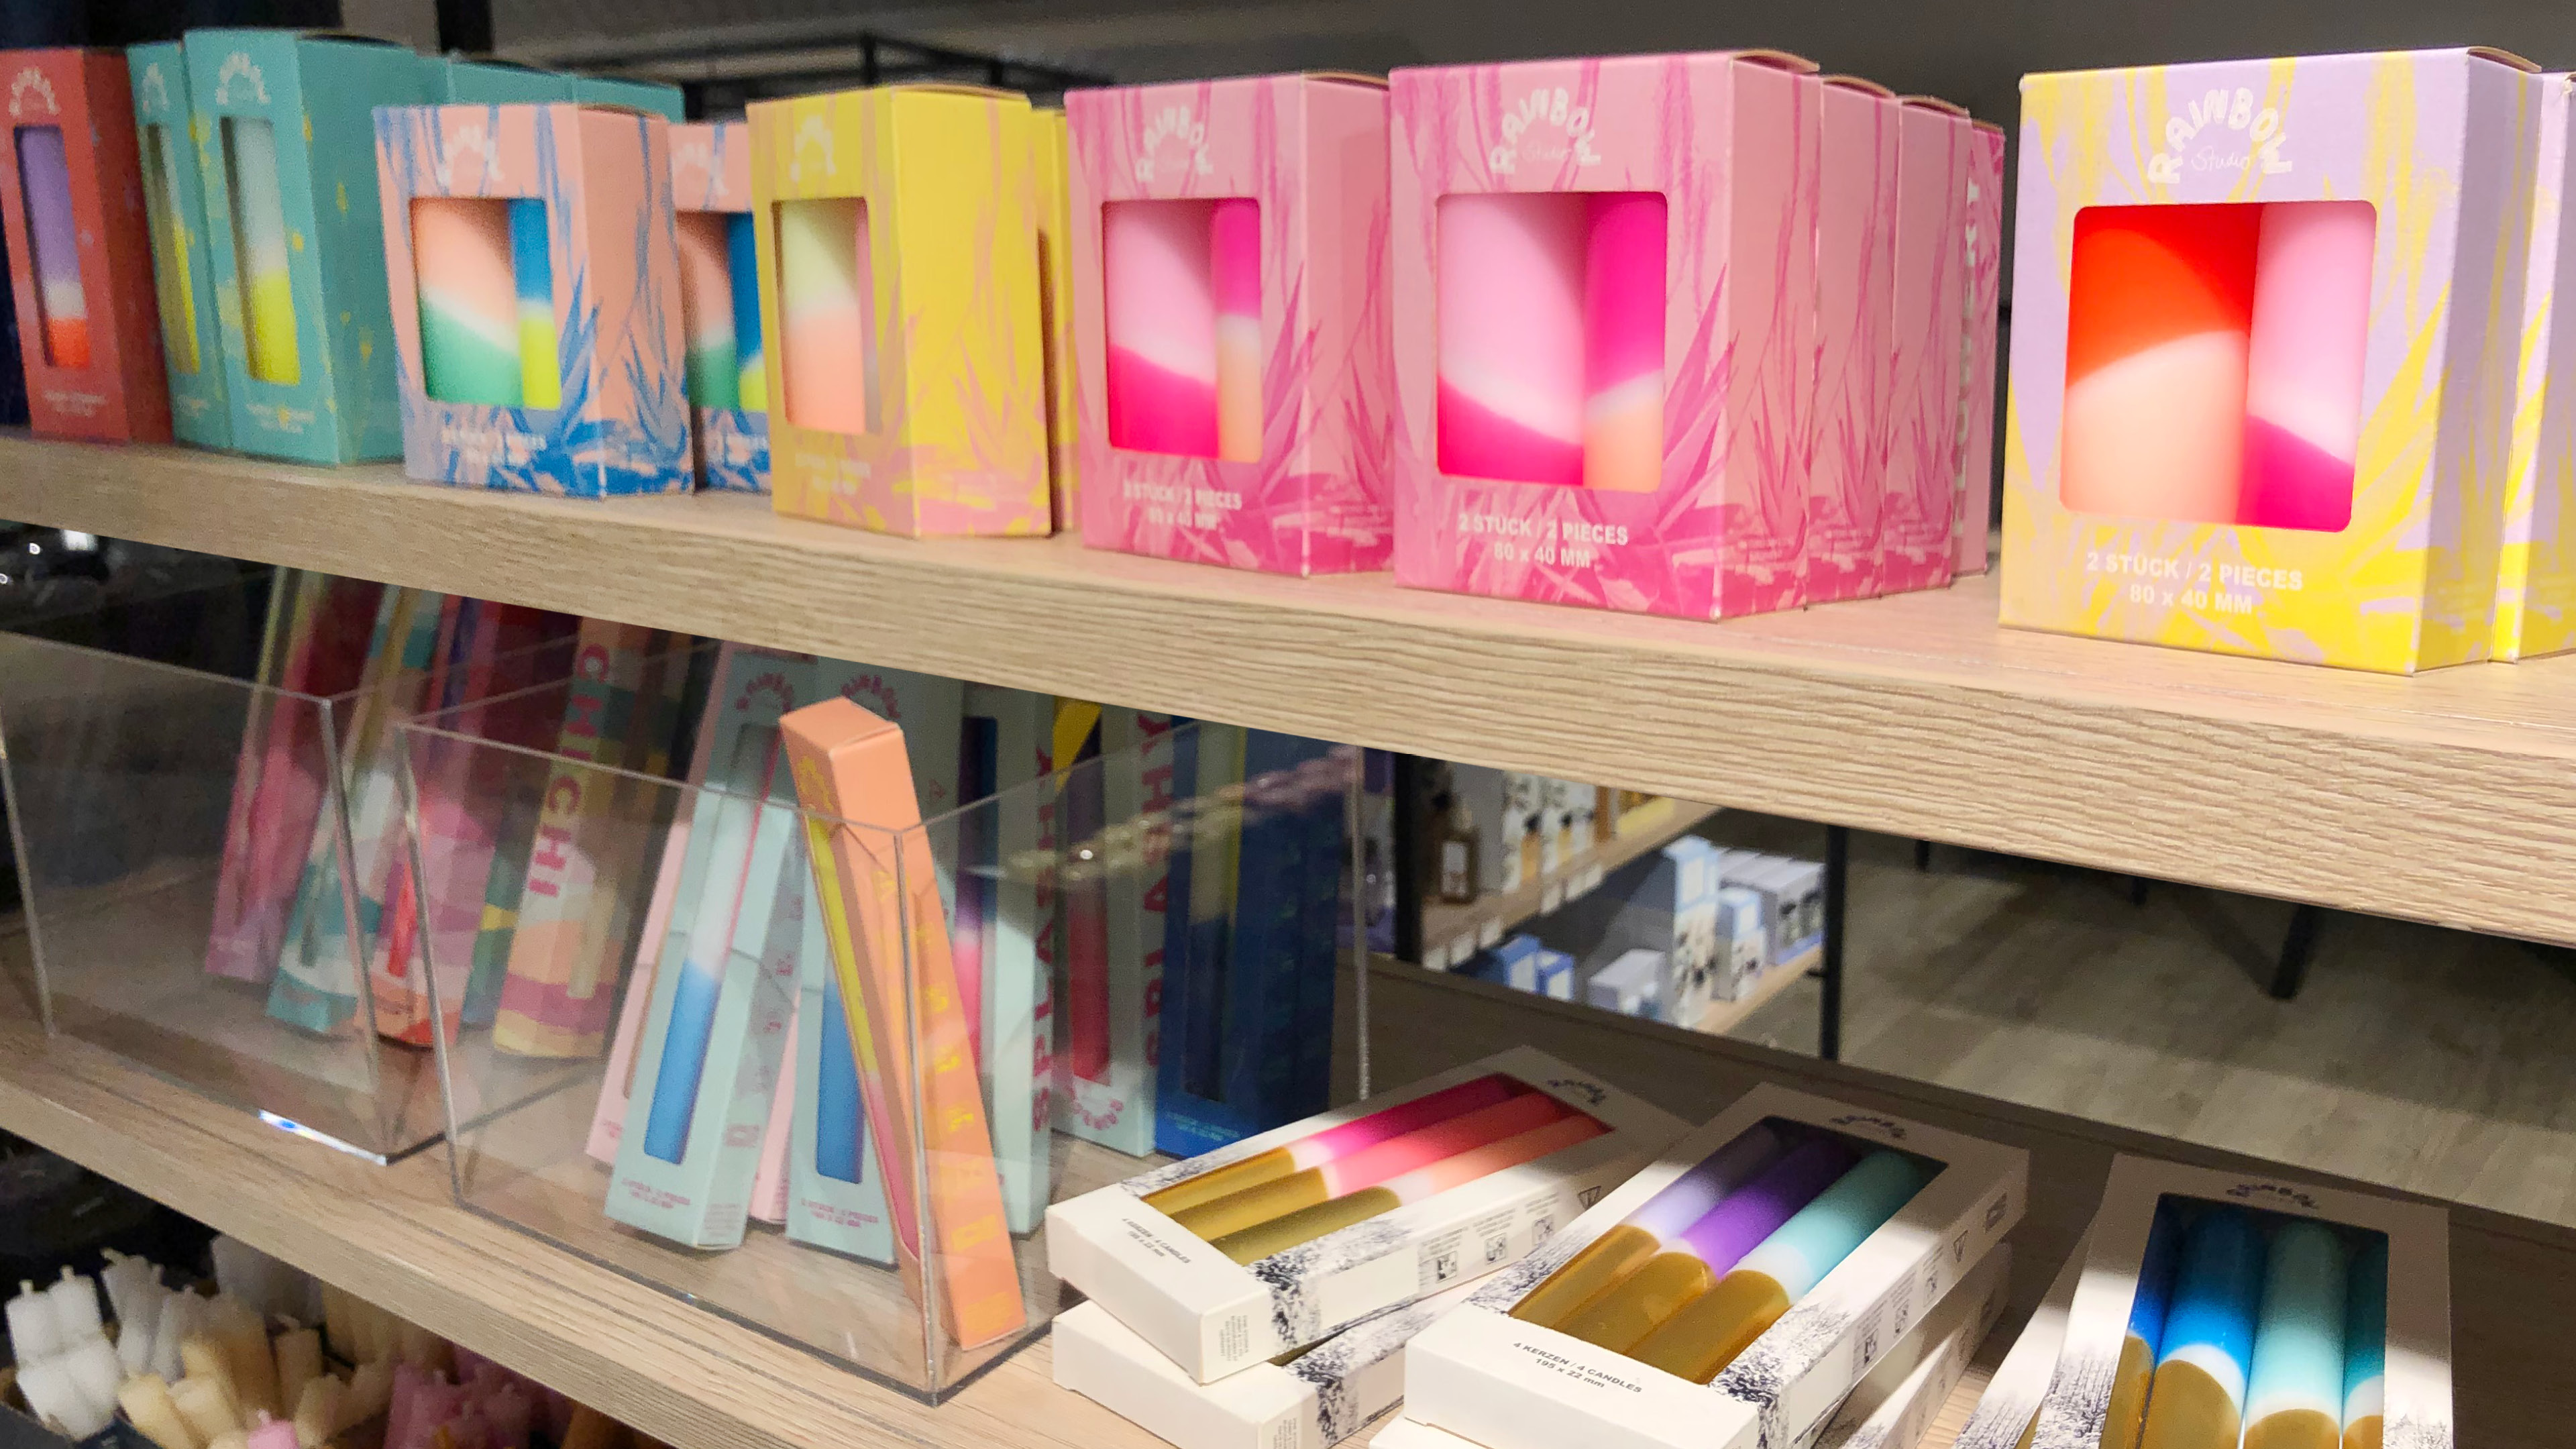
826	307
53	235
486	324
172	286
1349	1173
720	310
1551	338
2250	1323
1700	1270
2214	362
1182	286
260	249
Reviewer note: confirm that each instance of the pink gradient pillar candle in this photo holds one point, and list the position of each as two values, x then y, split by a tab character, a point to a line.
2303	363
824	282
1158	257
1511	336
1234	264
1623	342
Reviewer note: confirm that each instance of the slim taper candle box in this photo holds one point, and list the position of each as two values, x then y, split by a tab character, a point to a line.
183	277
2217	1305
1285	1238
1051	152
1604	322
1918	547
1985	263
2261	377
2009	1404
289	162
1751	1277
2535	598
1229	274
1856	358
80	251
1893	1406
531	254
728	376
899	297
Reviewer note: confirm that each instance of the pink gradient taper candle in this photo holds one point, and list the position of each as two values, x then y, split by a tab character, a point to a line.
2303	363
1234	264
1623	342
1371	1166
1356	1135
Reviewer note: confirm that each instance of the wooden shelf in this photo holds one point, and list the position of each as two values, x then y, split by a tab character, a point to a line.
1725	1016
1489	919
2440	797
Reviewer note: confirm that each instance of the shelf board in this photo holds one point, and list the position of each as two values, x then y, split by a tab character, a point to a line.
1725	1016
1488	919
2440	797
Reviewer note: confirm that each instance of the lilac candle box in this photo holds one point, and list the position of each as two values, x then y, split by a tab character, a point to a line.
599	285
1550	445
1917	547
1229	296
1855	312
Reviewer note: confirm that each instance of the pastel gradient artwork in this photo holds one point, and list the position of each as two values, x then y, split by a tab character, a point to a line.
1608	1259
742	275
469	302
1160	290
2198	1398
1371	1165
1333	1143
2294	1396
706	306
2126	1417
823	295
1512	337
2365	1346
260	247
1623	341
2159	320
1429	1180
1709	1249
2310	331
1708	1333
45	181
540	356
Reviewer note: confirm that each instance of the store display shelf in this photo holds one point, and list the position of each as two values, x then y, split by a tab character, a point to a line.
2507	1273
1725	1016
1452	933
2438	797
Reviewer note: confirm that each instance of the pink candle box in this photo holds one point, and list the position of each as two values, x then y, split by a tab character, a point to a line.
1855	313
1985	262
1918	548
582	195
2535	598
720	304
80	248
1605	326
1229	291
2264	332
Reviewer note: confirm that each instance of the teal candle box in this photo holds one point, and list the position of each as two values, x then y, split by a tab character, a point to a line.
288	157
659	98
456	81
183	274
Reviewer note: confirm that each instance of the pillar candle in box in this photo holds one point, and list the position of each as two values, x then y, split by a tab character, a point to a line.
1533	458
80	250
287	152
899	295
720	303
2160	489
183	278
2535	602
539	335
1917	550
1855	308
1985	262
1247	425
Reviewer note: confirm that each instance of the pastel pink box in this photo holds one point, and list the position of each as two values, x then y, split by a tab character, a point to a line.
1917	524
1985	264
1713	522
1855	320
1308	153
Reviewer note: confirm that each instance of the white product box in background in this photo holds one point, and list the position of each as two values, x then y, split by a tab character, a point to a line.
1506	1384
1743	943
1892	1407
1315	1400
1524	806
2417	1395
1213	1316
1487	796
1633	985
2010	1402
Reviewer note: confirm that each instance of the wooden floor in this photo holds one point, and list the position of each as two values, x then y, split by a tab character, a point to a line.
2429	1060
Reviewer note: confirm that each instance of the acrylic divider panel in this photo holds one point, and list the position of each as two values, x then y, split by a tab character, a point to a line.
750	919
202	859
827	303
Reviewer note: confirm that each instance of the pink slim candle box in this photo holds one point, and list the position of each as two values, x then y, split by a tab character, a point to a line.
1605	329
1918	548
1855	313
1985	262
1230	322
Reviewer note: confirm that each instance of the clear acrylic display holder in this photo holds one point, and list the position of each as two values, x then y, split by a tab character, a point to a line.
1042	915
185	850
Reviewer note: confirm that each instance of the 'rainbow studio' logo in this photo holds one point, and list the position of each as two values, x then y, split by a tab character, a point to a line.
1176	127
2253	138
699	155
1557	111
811	135
467	138
156	91
31	83
238	66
